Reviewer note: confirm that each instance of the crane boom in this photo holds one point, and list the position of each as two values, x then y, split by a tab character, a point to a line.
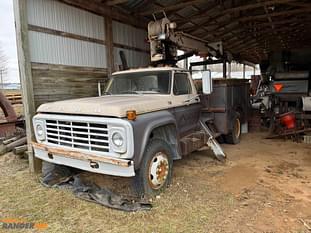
165	41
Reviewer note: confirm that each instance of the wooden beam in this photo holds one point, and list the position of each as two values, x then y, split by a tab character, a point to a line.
115	2
256	5
170	7
299	4
21	24
112	12
256	17
142	6
64	34
281	13
109	44
239	8
203	13
69	69
278	22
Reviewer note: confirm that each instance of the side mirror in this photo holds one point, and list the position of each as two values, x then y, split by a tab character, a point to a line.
207	82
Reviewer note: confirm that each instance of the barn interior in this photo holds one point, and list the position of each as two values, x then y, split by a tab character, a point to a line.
68	49
65	44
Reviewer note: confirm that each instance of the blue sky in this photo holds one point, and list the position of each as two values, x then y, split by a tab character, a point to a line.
7	39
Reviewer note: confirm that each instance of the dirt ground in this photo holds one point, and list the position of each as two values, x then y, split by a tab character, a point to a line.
264	187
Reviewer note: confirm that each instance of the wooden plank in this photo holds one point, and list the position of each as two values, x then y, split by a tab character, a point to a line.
64	34
59	82
66	68
21	24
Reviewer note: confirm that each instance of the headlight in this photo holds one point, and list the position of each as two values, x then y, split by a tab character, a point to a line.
117	139
118	143
40	130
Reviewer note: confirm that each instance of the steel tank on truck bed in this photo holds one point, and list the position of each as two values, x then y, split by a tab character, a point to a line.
229	98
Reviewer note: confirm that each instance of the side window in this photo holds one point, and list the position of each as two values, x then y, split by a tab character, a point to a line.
182	85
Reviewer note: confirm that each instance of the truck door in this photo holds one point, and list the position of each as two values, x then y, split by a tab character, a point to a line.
186	102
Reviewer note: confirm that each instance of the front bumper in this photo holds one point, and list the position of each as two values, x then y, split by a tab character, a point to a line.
88	162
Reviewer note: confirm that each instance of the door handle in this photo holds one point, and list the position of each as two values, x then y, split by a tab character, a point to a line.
197	98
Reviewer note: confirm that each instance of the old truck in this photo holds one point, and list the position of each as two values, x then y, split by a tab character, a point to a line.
145	119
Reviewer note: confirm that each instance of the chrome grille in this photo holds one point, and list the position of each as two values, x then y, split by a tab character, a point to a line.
81	135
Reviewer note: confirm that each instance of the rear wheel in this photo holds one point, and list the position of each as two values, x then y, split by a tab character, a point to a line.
234	136
155	171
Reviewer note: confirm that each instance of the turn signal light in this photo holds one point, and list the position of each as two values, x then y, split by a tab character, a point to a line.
131	115
278	87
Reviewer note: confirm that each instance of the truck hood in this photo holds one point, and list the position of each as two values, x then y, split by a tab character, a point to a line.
109	105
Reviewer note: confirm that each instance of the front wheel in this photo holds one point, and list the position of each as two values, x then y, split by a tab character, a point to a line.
155	172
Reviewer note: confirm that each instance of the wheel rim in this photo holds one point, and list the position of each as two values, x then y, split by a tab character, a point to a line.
237	128
158	170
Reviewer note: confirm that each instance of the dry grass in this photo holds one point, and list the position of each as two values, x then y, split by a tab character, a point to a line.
205	196
178	210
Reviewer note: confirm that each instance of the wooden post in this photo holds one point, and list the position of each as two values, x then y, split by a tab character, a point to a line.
204	66
21	24
229	69
224	68
109	44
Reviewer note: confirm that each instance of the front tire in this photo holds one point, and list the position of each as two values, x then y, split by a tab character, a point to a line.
155	172
234	136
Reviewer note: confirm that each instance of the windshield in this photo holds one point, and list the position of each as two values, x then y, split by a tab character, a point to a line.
157	82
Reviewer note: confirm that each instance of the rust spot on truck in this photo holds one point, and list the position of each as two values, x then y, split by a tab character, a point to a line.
79	155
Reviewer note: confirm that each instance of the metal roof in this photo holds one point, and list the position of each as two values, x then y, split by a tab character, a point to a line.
249	29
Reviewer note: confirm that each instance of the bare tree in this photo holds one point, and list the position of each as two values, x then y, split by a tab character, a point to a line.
3	67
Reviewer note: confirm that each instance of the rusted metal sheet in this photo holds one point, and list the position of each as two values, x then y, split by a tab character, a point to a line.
8	127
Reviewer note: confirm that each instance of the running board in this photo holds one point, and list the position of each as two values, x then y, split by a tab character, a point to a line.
213	144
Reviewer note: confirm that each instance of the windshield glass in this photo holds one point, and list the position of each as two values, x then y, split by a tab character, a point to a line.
157	82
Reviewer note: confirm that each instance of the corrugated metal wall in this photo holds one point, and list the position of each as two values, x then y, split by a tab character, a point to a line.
134	59
68	50
131	37
65	66
52	49
59	16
